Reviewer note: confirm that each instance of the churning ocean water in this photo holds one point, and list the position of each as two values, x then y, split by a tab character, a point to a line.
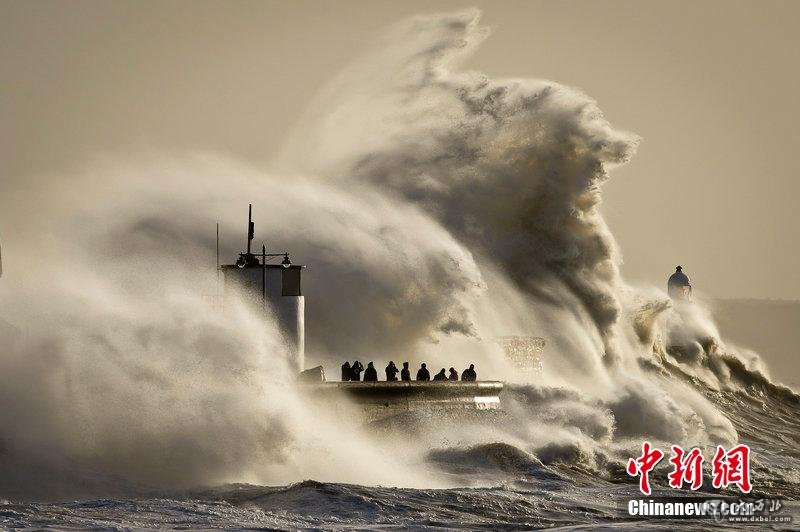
509	488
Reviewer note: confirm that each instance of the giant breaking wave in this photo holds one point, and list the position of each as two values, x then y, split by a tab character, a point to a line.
437	209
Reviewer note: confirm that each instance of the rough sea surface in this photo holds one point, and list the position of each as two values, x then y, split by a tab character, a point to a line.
516	491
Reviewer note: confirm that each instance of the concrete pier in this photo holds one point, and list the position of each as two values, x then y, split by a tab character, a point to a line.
384	399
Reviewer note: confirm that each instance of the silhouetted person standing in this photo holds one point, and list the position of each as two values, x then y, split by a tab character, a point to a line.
347	372
440	376
357	368
370	374
469	374
391	371
405	373
453	375
423	374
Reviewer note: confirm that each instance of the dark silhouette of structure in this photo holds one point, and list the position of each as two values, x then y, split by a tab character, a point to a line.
678	285
453	375
405	373
469	374
268	286
356	370
441	376
423	374
391	372
347	372
370	374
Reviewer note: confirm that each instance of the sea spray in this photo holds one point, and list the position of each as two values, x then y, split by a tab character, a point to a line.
437	209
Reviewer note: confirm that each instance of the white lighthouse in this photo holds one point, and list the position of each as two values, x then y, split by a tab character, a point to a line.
271	282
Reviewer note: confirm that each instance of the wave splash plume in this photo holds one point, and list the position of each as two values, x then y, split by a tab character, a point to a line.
438	210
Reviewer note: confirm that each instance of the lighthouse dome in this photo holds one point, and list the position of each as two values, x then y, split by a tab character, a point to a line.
678	278
678	285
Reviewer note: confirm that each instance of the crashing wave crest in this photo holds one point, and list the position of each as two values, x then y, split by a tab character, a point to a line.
438	210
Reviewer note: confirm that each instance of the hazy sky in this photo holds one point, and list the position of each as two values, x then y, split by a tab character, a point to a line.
712	87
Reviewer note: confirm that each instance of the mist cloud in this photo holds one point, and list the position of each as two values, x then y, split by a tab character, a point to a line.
436	209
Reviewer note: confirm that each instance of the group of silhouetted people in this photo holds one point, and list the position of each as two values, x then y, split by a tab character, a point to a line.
353	373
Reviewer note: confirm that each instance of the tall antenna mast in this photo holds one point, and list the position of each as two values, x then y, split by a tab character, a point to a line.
218	258
264	274
250	227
